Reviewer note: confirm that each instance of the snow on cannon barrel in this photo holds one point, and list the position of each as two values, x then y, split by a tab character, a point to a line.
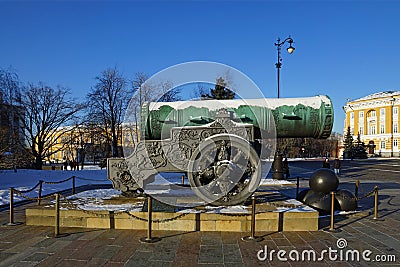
293	117
223	146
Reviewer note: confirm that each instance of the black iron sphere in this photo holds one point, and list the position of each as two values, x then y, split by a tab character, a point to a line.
302	194
319	200
346	200
324	180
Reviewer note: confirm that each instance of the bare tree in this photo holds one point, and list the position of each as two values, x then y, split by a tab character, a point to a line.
201	91
9	86
168	93
46	110
146	91
107	103
9	120
3	141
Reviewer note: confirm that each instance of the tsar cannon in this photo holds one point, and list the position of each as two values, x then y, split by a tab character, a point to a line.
223	146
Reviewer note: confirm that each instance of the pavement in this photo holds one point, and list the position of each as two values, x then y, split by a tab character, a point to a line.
360	241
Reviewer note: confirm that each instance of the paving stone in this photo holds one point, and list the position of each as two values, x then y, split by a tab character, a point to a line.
50	261
71	263
139	258
5	255
24	264
108	252
232	253
211	254
91	235
113	264
5	245
27	245
124	253
17	257
24	244
36	257
96	262
210	264
163	255
58	245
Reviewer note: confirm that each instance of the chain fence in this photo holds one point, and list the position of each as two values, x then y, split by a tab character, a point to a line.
70	205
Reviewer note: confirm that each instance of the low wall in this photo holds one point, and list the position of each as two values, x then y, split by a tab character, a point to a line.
266	221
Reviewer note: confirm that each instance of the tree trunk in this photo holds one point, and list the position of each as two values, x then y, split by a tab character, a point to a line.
38	163
114	148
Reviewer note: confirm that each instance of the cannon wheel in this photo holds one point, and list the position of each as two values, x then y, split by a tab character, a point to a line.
224	170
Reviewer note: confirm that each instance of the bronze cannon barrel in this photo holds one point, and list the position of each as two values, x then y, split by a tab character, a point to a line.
293	117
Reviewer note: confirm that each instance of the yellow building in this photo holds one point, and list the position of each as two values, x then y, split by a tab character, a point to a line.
90	142
376	118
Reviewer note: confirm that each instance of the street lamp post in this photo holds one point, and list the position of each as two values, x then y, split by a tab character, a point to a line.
290	50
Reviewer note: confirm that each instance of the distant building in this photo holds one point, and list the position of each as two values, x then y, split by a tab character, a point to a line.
376	119
88	143
11	126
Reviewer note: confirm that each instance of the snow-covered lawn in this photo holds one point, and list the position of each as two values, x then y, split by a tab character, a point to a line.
27	179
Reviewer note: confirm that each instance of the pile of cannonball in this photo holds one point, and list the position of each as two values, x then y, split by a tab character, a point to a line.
322	182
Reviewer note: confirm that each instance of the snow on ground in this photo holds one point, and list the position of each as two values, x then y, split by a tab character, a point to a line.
266	182
94	200
25	179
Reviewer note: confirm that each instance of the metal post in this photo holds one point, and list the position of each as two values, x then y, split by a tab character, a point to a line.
11	222
278	64
332	226
149	217
356	189
57	216
376	198
332	222
73	185
57	219
297	186
252	236
253	216
278	68
183	179
40	192
149	238
11	207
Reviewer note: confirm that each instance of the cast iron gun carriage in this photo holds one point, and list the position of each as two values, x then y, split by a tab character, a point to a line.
223	146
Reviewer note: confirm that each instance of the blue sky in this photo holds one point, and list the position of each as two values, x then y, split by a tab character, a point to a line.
345	49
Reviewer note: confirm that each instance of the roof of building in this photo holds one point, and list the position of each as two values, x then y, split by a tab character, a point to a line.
379	95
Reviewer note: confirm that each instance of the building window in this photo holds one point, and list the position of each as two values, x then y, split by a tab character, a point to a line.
395	127
395	143
382	128
395	111
361	115
351	115
372	129
382	112
383	144
373	113
361	130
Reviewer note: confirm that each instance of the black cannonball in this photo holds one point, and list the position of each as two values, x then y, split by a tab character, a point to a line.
312	196
324	180
346	200
319	200
302	194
